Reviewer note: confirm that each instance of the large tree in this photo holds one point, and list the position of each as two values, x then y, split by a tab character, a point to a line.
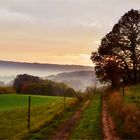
21	81
118	56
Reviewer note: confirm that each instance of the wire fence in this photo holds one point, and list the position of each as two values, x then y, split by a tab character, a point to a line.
29	114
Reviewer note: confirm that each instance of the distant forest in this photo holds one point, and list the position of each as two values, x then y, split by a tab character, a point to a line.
28	84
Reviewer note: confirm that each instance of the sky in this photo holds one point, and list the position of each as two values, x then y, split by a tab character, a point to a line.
57	31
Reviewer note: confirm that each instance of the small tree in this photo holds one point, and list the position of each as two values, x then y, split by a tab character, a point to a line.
22	80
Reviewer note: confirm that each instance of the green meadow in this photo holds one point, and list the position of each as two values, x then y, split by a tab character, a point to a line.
14	108
14	101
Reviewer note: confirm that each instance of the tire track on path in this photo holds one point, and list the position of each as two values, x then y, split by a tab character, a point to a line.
65	130
109	129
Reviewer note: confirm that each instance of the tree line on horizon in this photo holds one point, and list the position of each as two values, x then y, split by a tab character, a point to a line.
117	59
28	84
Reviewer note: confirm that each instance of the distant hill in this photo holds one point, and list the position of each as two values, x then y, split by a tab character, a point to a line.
43	66
79	80
9	69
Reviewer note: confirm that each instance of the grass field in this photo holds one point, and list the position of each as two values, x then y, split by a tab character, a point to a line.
13	101
13	113
89	126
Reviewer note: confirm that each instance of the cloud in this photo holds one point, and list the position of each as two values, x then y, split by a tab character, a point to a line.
8	18
69	13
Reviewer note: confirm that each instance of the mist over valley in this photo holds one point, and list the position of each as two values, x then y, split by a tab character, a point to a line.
76	76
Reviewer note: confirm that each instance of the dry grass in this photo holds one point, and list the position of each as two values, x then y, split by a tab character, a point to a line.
126	115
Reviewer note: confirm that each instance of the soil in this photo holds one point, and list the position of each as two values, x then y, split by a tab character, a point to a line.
64	131
109	129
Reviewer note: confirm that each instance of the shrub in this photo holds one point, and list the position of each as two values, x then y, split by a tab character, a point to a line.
6	90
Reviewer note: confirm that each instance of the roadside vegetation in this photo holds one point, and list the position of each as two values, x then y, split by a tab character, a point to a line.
125	110
89	126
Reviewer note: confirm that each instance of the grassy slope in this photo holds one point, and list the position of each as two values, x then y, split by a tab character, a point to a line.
132	95
50	129
13	122
89	126
14	101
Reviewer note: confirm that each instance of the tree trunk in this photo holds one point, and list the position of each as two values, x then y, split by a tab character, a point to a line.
133	45
134	67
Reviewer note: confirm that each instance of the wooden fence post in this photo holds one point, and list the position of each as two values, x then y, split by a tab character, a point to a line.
29	109
64	99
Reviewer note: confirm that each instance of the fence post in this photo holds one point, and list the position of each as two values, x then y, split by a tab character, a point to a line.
29	109
64	99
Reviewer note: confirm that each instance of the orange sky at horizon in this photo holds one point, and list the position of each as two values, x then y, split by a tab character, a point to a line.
57	47
58	31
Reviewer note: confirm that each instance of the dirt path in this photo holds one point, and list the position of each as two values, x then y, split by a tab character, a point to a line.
109	130
65	130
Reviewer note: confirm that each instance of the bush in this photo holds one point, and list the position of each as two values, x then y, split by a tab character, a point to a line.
7	90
